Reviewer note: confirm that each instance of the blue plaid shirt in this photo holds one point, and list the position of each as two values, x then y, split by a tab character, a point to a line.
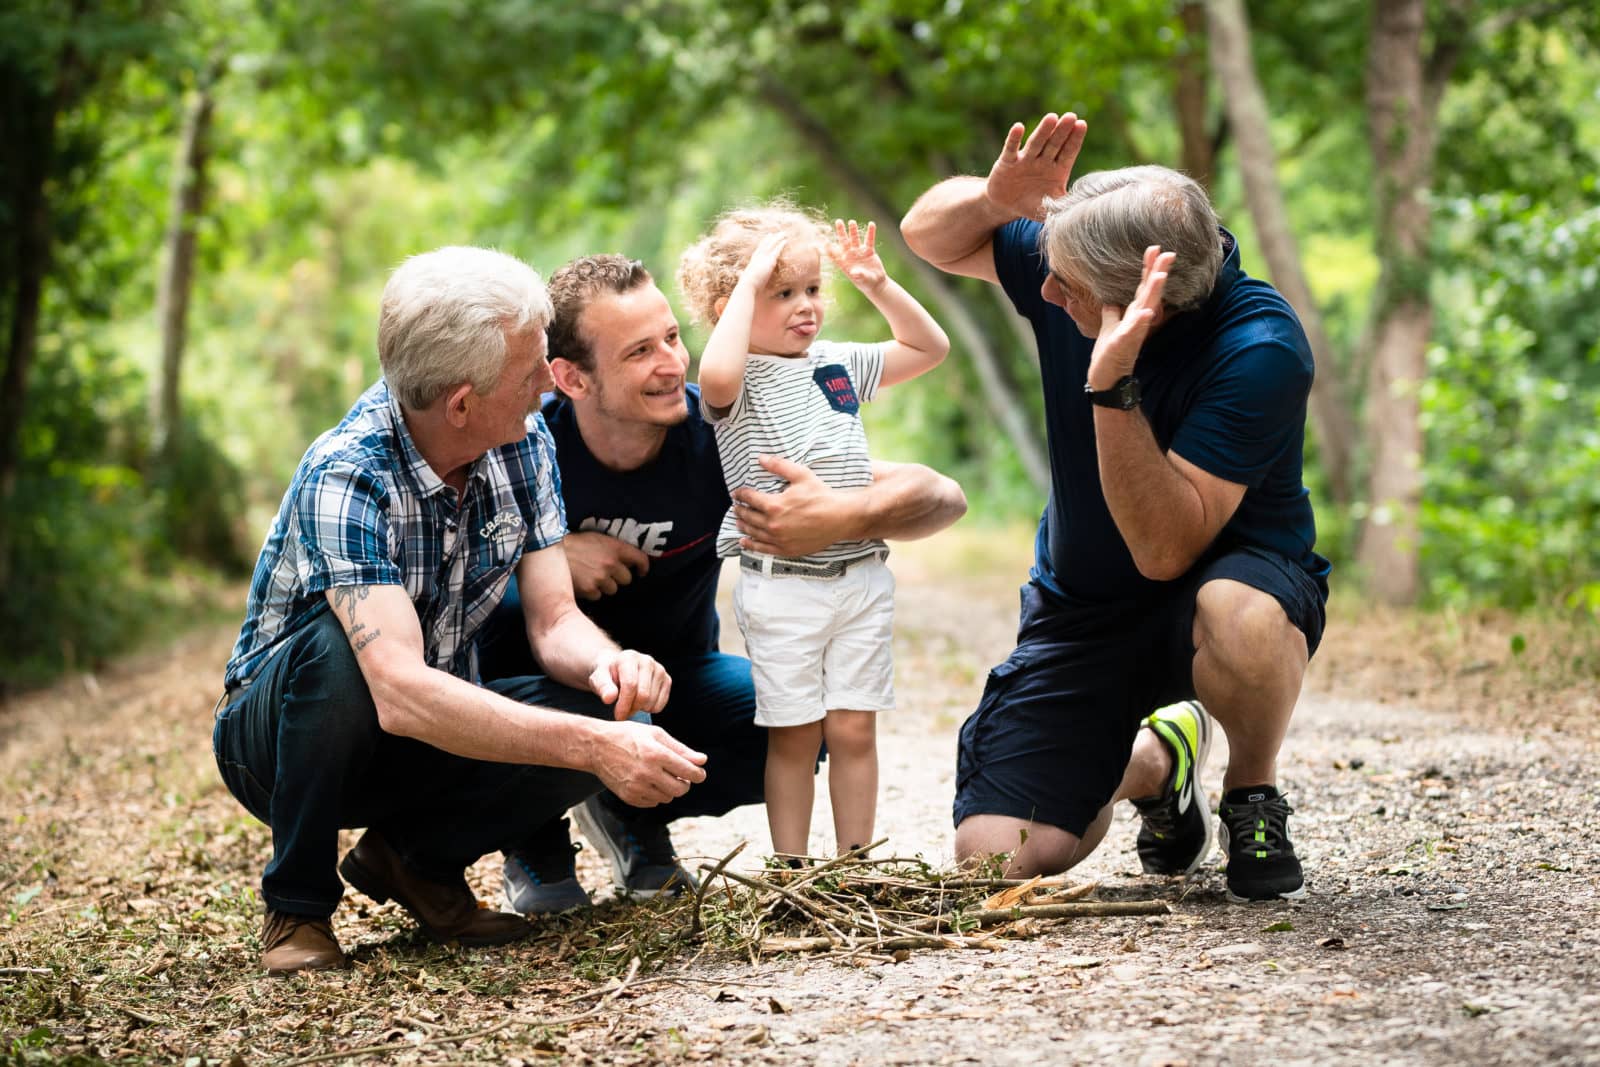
365	508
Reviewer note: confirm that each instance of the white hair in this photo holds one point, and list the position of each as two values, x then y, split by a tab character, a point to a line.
445	318
1098	232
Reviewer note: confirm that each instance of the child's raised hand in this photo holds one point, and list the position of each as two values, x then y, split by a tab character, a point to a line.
764	260
856	257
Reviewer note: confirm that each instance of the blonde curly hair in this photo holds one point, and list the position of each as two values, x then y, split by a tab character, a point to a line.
710	268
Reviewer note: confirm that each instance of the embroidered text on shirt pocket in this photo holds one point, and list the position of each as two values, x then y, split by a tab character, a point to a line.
834	381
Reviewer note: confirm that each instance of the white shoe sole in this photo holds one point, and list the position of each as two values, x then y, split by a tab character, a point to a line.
1294	894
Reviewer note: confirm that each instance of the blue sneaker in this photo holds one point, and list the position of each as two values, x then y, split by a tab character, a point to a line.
541	877
1175	831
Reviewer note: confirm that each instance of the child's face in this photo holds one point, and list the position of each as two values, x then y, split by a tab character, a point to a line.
789	309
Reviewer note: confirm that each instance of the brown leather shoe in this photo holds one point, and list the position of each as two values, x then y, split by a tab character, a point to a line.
445	912
292	943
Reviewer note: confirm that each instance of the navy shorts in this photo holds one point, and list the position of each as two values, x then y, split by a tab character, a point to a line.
1053	732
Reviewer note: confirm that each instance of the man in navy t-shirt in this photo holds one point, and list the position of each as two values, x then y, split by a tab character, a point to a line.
644	496
1175	556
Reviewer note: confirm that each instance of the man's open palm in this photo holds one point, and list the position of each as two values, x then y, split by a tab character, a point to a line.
1027	174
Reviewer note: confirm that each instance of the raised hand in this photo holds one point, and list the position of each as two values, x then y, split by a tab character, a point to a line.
1026	174
1123	330
855	254
764	260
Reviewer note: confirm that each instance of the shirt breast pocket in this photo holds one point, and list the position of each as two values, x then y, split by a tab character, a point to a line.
491	562
836	386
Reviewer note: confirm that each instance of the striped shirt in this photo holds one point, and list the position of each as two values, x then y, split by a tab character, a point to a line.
365	508
805	409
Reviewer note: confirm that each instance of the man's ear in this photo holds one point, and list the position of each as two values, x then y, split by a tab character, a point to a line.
569	377
457	402
718	308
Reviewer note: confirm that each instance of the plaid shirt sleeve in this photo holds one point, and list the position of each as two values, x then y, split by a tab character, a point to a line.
548	523
344	529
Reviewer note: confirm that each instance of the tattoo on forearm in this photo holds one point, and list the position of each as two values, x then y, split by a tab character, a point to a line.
358	643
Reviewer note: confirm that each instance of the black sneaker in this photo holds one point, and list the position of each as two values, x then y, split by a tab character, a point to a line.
1175	825
1261	861
643	862
541	878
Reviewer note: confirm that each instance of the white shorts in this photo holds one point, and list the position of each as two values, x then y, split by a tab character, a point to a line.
817	644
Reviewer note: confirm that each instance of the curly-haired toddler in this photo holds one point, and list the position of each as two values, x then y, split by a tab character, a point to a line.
817	628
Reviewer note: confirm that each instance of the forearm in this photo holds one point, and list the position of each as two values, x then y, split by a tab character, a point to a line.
434	707
723	359
907	501
919	342
953	220
1159	513
569	646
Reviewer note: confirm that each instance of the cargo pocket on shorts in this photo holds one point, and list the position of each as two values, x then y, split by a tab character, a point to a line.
980	724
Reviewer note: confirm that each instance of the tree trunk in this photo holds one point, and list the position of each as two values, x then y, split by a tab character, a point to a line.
31	208
1401	116
177	280
1189	94
1331	419
1391	537
999	388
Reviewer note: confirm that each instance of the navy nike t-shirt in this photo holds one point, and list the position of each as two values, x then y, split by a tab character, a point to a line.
1225	387
669	509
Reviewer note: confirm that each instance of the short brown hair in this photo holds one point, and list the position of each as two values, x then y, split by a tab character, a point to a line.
574	287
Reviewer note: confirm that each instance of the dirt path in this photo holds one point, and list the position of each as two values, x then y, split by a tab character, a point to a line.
1451	917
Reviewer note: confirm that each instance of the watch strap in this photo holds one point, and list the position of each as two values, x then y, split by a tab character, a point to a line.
1124	395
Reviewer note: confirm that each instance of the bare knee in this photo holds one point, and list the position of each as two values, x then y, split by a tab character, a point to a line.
1033	848
794	743
1245	627
851	734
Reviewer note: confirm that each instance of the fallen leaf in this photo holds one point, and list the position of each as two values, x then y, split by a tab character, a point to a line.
1335	942
722	993
776	1006
1280	927
758	1036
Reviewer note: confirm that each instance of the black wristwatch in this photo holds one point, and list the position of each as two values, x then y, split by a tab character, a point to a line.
1124	396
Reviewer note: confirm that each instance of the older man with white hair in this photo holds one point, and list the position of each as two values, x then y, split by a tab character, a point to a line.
353	697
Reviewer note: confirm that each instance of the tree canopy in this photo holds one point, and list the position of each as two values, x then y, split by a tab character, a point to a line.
340	138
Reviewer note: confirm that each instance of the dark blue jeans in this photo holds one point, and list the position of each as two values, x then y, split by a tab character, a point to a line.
712	709
302	750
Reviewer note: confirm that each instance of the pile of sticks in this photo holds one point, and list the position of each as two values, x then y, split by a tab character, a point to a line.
855	904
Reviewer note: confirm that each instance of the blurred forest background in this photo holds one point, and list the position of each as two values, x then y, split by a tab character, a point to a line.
202	200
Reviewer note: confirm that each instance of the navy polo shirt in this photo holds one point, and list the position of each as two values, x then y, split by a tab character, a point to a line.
1225	387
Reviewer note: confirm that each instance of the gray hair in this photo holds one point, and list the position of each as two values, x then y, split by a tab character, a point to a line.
1098	231
445	318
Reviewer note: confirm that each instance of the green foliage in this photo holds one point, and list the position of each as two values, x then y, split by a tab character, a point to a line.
348	136
1512	407
88	566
